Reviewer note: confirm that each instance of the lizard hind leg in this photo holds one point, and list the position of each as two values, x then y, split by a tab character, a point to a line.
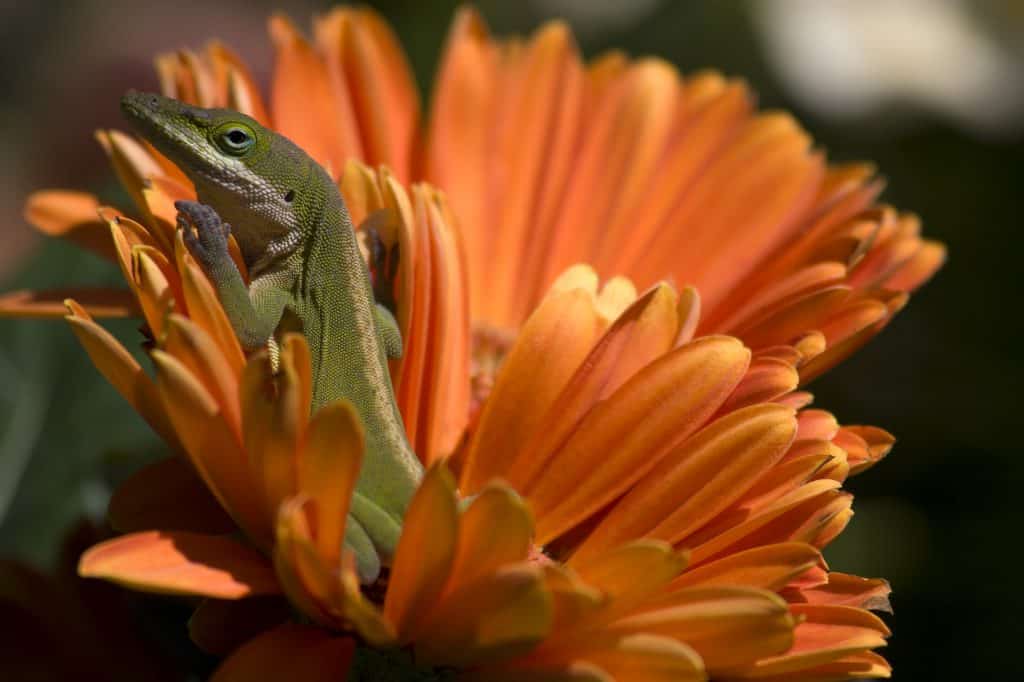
387	327
358	541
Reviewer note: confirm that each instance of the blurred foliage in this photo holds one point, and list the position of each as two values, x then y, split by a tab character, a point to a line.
938	517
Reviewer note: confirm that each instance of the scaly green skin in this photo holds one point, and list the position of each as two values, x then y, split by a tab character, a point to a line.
306	271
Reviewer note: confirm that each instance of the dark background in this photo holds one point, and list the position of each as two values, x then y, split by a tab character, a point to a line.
940	517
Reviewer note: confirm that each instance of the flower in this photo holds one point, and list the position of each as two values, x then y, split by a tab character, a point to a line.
661	486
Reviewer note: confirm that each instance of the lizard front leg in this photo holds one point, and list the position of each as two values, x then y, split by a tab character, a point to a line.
254	311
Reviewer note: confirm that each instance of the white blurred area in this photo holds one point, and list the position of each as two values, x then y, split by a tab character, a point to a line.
848	59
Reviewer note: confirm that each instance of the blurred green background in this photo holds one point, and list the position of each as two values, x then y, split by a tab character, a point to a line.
931	90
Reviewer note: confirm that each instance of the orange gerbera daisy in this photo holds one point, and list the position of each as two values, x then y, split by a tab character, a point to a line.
679	487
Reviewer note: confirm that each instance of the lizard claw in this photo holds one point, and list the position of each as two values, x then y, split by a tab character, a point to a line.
205	234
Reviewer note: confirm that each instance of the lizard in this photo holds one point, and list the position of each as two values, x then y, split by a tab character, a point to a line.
297	241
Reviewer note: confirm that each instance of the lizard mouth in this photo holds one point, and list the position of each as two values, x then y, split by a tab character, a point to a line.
168	124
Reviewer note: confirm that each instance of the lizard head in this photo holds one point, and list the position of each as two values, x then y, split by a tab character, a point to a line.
256	179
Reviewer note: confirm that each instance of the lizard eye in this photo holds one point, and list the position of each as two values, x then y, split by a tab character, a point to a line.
235	139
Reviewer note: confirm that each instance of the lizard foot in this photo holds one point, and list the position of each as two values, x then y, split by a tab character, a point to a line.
205	234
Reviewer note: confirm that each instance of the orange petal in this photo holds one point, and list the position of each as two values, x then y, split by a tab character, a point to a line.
153	288
816	424
700	479
645	331
540	90
310	584
727	626
642	658
426	550
847	590
290	652
766	380
242	93
709	120
548	350
369	71
626	435
798	315
71	215
734	528
688	313
877	444
463	104
274	417
204	307
628	574
360	612
167	495
179	562
433	387
194	348
827	633
499	616
328	469
918	269
770	567
480	550
132	162
98	302
303	105
864	665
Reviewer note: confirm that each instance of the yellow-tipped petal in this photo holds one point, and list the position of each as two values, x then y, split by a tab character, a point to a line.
328	468
194	348
727	626
642	658
549	349
204	307
771	567
480	550
132	162
701	478
494	618
848	590
826	634
153	288
178	562
360	612
628	434
641	334
426	550
630	573
274	417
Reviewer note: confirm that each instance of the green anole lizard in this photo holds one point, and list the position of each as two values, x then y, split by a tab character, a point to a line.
305	266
